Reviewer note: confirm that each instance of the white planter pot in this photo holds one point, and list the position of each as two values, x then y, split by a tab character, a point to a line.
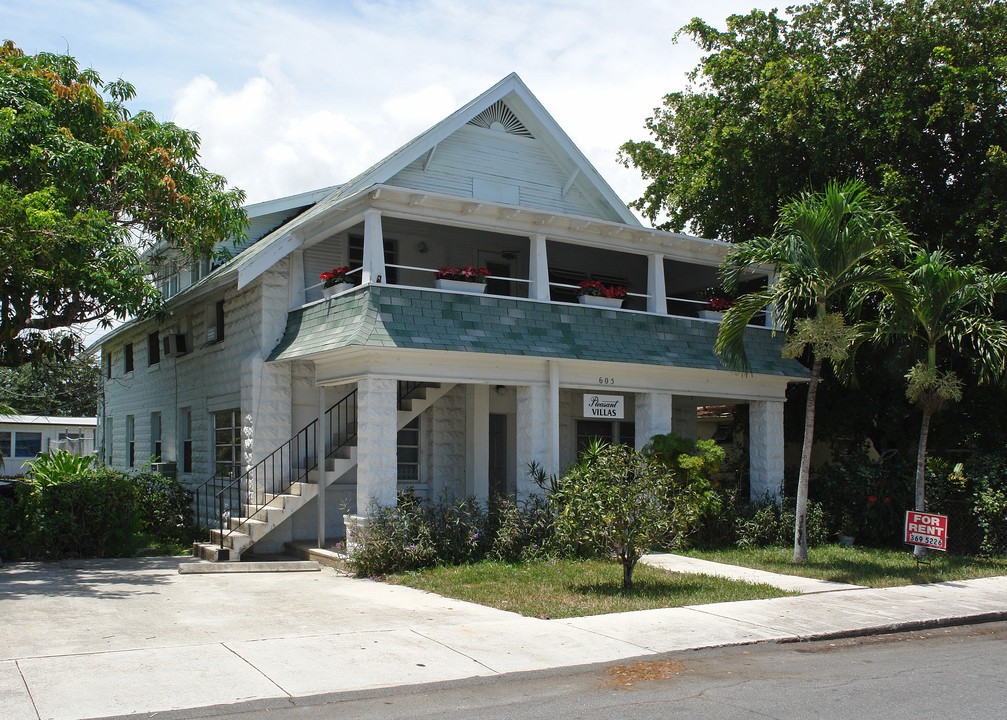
460	286
599	301
328	292
710	314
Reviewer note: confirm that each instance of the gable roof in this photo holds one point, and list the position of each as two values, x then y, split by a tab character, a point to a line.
511	90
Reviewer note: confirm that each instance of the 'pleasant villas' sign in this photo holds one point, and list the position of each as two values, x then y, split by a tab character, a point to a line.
608	407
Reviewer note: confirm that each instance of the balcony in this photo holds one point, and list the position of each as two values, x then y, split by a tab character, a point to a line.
411	253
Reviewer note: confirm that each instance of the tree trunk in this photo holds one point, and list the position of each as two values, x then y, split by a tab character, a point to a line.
627	574
919	551
800	524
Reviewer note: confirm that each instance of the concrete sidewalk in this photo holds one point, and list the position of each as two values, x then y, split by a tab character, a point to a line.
98	638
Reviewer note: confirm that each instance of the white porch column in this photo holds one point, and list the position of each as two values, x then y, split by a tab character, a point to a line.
683	416
477	445
657	299
538	269
377	430
653	416
765	450
320	455
374	249
553	417
533	435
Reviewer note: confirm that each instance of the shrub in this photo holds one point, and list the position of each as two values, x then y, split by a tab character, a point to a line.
772	524
616	501
165	505
93	514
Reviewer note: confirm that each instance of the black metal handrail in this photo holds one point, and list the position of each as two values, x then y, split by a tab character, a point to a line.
223	496
342	424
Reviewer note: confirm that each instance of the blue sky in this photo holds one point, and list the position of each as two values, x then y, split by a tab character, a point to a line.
293	96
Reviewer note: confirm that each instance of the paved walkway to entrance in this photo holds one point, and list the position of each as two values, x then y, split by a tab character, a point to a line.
793	583
113	637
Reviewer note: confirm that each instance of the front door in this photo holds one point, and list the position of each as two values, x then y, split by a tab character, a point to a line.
498	455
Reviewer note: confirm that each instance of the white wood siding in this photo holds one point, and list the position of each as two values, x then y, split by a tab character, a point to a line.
474	154
324	256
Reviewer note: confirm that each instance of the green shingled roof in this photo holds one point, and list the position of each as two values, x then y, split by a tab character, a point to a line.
378	316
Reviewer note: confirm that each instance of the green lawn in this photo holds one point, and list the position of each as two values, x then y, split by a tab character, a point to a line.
872	567
568	588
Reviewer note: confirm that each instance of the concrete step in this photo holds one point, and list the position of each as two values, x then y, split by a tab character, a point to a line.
331	555
204	567
211	552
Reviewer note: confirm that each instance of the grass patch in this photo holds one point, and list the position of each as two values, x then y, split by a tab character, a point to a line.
873	567
573	588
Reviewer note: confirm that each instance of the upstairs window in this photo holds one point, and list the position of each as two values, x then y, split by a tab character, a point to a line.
215	322
127	358
153	349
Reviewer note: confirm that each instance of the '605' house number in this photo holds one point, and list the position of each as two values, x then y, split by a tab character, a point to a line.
606	381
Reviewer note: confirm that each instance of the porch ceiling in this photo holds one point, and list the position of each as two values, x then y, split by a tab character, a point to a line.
383	316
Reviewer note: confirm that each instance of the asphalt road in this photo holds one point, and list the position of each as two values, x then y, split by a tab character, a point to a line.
956	673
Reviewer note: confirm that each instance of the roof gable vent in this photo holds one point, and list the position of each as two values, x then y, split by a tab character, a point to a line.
499	117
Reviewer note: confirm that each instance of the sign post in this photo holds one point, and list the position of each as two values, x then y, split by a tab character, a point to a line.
927	529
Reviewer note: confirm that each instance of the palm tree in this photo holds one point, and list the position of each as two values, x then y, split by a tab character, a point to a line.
953	307
830	251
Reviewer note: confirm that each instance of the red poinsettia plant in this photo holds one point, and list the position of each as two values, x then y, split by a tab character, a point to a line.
718	300
335	276
600	289
466	273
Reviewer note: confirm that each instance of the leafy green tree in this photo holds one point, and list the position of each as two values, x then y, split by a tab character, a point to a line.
619	502
951	307
830	251
906	96
50	387
86	187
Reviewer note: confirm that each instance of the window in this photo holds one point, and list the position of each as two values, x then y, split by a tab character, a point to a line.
130	441
108	366
5	447
227	443
108	440
185	438
356	257
409	451
215	322
153	349
155	436
27	444
611	431
127	358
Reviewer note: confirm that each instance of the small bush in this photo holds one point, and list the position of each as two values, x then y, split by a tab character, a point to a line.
93	514
165	505
772	524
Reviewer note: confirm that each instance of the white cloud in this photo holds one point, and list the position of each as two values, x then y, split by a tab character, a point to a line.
294	96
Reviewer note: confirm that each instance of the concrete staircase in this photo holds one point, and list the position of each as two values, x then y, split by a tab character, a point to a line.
256	522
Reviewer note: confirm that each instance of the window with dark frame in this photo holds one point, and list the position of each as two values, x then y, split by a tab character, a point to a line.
27	444
127	358
408	451
155	436
130	441
5	443
227	443
185	433
153	349
355	255
219	317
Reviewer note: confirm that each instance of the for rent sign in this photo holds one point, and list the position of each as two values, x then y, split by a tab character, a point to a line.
927	529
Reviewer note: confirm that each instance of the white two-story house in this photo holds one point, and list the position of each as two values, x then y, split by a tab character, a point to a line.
396	382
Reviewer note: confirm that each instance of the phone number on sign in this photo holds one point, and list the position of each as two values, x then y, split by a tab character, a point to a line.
925	540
